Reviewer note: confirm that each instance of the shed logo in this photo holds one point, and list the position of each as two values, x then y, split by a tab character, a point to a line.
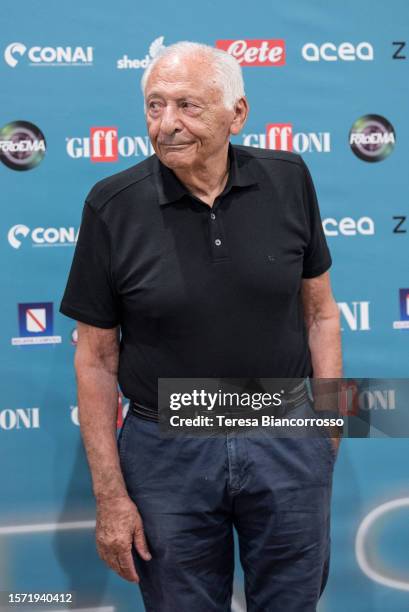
48	56
255	52
403	323
22	145
155	48
35	320
372	138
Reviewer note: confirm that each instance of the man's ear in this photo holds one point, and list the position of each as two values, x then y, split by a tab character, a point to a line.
241	111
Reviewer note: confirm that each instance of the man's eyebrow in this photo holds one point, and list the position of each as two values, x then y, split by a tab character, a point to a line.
153	94
193	96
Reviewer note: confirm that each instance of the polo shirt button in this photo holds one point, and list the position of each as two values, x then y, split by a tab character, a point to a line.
212	216
217	242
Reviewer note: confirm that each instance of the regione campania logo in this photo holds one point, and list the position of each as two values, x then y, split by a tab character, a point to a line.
36	325
403	322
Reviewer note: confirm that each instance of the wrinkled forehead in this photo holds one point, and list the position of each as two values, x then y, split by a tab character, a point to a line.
181	76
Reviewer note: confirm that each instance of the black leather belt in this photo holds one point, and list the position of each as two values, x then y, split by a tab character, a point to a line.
295	397
143	412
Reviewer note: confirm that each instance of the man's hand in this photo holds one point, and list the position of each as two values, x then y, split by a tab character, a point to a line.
335	443
119	525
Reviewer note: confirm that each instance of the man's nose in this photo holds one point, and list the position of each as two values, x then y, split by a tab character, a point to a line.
170	121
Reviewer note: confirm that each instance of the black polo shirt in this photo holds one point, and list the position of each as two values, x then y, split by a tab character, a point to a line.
200	291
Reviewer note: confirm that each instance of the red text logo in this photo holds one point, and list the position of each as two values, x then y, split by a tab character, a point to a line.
104	144
255	52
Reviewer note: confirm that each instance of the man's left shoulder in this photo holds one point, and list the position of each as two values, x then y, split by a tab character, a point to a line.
259	154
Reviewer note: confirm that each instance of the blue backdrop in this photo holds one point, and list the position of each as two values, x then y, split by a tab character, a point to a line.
327	80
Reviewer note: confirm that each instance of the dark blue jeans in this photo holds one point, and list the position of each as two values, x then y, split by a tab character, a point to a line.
191	491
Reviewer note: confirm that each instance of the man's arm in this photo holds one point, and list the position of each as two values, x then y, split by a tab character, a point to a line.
322	320
96	367
118	521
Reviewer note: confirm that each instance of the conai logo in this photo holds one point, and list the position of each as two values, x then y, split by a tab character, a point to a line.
280	136
50	56
21	418
121	414
329	52
42	236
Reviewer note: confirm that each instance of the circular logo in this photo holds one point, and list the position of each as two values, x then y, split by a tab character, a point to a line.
372	138
74	336
22	145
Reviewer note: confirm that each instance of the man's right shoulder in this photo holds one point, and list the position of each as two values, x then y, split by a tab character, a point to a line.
258	153
107	188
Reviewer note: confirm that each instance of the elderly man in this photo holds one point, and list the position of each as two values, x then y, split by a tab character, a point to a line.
211	261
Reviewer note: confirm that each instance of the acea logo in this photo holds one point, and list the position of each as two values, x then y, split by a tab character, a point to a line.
42	236
35	321
281	136
372	138
329	52
48	56
347	226
155	49
22	145
403	323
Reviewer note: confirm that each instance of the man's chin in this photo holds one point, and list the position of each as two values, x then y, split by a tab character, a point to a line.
176	159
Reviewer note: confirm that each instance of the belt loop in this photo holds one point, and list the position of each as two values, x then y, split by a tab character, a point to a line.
309	389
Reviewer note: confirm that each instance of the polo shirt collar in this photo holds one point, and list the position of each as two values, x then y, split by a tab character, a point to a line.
170	188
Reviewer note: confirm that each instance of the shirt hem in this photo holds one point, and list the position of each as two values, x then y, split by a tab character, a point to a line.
317	271
72	313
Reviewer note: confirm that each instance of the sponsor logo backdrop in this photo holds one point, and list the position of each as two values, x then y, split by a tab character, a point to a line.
327	81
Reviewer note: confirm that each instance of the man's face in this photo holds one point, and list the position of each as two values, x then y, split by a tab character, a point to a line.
187	121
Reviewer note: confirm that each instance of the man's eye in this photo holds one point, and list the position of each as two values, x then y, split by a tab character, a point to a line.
188	105
154	105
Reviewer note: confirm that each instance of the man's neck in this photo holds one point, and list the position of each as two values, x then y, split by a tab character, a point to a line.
208	181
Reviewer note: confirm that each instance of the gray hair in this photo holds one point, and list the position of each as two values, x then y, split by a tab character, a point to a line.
226	68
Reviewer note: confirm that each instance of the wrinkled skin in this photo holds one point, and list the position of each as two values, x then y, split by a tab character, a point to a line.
119	525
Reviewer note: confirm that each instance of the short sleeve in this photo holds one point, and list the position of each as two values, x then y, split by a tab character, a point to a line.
90	295
317	257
